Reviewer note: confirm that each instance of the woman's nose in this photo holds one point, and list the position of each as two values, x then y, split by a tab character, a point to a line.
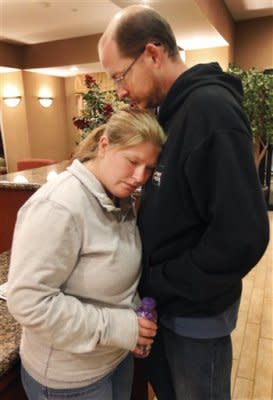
140	175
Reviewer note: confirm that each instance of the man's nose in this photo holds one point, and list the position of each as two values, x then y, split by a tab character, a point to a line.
122	92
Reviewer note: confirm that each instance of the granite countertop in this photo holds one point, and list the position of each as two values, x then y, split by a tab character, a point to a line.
10	330
31	179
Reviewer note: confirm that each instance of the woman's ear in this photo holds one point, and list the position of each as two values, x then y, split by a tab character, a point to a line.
103	145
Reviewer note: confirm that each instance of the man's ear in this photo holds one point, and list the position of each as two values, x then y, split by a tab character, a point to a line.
103	145
155	52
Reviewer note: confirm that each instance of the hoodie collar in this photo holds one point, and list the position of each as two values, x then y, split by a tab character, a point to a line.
193	78
93	185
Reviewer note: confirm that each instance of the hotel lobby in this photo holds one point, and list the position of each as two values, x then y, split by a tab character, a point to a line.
42	82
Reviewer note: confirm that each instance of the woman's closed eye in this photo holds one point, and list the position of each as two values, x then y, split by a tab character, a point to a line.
132	162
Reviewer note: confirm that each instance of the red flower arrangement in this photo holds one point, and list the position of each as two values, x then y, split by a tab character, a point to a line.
98	107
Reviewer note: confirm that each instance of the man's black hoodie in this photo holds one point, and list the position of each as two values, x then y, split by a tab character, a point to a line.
203	219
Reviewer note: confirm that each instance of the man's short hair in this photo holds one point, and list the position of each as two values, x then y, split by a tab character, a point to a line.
135	30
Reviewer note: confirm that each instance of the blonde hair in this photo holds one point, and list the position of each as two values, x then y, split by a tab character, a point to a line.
125	128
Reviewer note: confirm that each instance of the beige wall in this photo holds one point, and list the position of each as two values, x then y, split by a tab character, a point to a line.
219	54
254	43
48	133
29	130
219	17
72	111
14	121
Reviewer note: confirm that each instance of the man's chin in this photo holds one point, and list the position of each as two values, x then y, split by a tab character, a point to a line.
138	104
142	105
146	104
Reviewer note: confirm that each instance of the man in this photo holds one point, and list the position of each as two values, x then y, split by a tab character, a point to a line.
203	218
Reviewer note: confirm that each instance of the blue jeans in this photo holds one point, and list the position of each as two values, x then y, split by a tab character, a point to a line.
181	368
115	386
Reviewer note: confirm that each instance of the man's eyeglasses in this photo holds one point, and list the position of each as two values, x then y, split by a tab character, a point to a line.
120	77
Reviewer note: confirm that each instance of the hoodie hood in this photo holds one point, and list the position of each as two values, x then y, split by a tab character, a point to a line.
193	78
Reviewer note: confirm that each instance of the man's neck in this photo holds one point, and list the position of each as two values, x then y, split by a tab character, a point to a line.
172	70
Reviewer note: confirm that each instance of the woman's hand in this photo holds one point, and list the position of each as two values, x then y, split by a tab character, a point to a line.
146	332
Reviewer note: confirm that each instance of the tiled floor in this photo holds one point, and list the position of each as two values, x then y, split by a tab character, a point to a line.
252	372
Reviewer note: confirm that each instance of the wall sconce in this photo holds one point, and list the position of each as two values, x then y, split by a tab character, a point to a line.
45	101
12	101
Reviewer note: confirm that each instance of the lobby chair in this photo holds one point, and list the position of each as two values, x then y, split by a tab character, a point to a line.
30	163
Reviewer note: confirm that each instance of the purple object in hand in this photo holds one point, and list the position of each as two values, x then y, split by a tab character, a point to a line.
147	310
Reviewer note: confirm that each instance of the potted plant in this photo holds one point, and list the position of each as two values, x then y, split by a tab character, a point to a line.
258	105
98	106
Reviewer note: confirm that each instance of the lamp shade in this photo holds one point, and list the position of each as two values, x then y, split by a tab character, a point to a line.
45	101
12	101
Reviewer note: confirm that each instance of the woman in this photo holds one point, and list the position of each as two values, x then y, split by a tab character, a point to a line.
75	266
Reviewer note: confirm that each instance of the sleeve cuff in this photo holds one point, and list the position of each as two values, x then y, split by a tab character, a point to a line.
122	329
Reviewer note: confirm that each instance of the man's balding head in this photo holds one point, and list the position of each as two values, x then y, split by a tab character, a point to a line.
135	26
